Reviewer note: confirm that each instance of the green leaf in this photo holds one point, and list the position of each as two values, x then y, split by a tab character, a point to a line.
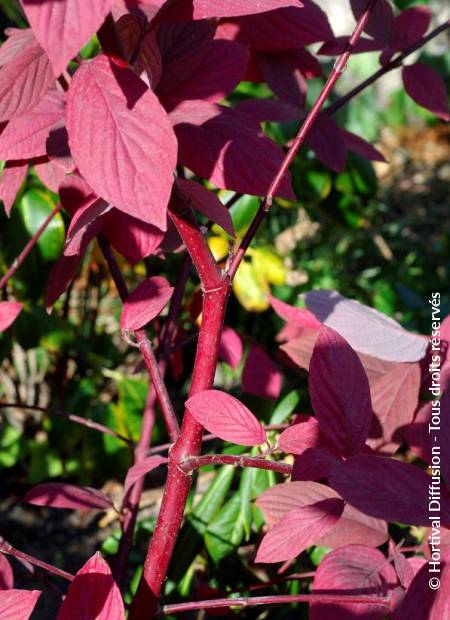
212	500
35	206
317	554
243	212
245	494
226	530
285	407
9	446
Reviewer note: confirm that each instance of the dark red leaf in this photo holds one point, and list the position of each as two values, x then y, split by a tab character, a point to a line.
208	203
85	225
339	392
314	464
64	26
131	237
57	146
61	275
381	21
337	46
328	143
13	176
410	26
62	495
140	470
140	47
9	311
6	574
17	604
426	87
230	350
285	79
121	140
226	417
299	529
353	570
145	303
260	376
361	147
203	9
93	594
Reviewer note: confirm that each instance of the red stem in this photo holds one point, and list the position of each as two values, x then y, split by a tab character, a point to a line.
27	249
9	550
300	138
191	463
245	601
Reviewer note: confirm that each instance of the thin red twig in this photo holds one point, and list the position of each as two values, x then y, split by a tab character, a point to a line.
194	462
10	550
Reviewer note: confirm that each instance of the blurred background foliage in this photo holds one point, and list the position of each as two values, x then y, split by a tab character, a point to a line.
379	234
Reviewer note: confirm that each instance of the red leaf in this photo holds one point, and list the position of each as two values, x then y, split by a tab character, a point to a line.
6	574
62	495
145	303
361	147
9	311
387	489
260	376
394	401
25	136
131	237
328	143
298	316
121	140
12	178
64	26
93	594
17	604
365	329
421	601
222	145
207	203
61	275
381	21
353	570
426	87
230	350
226	417
299	529
410	26
140	470
24	81
339	392
85	225
301	436
203	9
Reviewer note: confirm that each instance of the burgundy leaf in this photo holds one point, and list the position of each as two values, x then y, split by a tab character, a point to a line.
64	26
328	143
62	495
145	303
314	464
140	47
230	349
51	174
85	225
337	46
361	147
25	136
421	601
203	9
339	392
417	435
57	146
426	87
61	275
17	604
121	140
207	203
301	436
410	26
24	81
260	376
355	527
394	401
9	311
387	489
18	39
260	110
444	434
298	316
221	145
299	529
285	79
226	417
131	237
6	574
358	570
381	21
93	594
140	470
14	174
365	329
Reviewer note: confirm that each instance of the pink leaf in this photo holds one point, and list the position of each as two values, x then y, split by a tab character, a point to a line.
12	178
140	470
426	87
203	9
85	225
25	136
207	203
9	311
51	174
145	303
230	350
353	528
357	570
260	376
6	574
121	140
226	417
328	143
291	314
64	26
93	594
17	604
299	529
361	147
301	436
222	145
365	329
24	81
410	26
18	39
387	489
62	495
61	275
381	21
131	237
339	392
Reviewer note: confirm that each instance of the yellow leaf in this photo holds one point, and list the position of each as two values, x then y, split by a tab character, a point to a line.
269	265
219	247
250	289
